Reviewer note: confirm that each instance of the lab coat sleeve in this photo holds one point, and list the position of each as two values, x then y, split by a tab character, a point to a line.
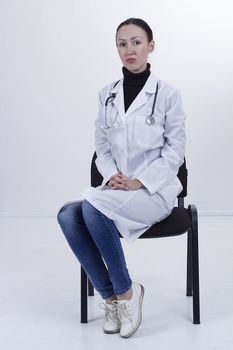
162	171
105	163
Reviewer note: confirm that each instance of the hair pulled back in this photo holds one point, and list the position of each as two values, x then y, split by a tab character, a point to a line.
140	23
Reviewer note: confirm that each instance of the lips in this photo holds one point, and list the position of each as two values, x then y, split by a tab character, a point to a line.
131	60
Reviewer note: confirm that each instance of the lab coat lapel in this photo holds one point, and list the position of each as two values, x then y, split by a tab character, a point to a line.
143	96
141	99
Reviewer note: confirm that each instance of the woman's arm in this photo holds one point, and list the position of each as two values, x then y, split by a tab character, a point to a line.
105	163
162	170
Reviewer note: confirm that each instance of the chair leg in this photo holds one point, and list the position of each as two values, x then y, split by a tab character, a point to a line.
90	288
189	283
195	264
83	296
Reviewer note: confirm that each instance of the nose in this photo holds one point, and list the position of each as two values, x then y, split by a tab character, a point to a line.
129	49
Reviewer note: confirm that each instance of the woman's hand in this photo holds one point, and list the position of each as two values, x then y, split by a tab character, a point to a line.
120	181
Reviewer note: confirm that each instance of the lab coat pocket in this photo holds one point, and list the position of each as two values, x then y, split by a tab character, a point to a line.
149	136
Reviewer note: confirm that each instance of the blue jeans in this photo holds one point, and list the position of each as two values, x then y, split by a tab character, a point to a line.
95	241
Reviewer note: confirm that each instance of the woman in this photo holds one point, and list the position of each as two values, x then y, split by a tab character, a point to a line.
140	142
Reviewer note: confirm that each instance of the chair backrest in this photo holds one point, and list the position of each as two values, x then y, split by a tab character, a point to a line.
96	177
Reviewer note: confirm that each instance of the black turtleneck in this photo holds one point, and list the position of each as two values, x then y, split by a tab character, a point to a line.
133	84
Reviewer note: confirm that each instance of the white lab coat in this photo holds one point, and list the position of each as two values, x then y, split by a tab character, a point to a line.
150	153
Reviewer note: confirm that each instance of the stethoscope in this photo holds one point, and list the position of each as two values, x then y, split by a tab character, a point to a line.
150	119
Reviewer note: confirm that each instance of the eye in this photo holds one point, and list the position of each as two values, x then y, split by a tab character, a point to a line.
122	45
136	43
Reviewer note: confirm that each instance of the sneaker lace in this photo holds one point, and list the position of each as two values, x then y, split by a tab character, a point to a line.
124	310
110	313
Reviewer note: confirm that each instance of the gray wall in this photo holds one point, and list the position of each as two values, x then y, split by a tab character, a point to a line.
56	55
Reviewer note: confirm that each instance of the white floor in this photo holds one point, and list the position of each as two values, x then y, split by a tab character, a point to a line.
39	291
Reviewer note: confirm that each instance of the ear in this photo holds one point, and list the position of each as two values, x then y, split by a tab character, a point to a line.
151	45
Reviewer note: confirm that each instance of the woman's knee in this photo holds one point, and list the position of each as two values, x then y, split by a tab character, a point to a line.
88	212
68	212
87	207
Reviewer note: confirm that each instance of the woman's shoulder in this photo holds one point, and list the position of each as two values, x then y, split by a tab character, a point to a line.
109	86
167	89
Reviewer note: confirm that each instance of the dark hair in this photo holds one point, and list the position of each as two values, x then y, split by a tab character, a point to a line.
140	23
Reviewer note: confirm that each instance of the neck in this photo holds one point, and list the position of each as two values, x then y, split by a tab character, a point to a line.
136	78
139	70
133	83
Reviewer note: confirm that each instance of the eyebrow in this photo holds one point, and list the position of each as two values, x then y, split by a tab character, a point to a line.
134	37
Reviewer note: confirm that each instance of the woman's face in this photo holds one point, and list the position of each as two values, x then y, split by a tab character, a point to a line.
133	47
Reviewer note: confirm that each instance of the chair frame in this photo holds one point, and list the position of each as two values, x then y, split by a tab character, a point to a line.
192	277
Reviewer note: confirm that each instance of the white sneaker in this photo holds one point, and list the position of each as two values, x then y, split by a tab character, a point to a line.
130	311
112	323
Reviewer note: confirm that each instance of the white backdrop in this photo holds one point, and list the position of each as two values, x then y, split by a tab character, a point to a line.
57	54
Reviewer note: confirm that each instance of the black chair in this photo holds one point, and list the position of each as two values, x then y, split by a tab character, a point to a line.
180	221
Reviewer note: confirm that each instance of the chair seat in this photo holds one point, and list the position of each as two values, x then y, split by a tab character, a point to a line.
177	223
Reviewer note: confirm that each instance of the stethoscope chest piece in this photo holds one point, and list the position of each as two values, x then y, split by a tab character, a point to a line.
150	119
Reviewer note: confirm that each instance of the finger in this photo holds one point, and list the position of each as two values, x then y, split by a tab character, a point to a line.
112	177
122	177
120	187
118	179
121	184
118	176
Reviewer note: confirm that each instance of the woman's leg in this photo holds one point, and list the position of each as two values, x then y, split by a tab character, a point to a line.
77	235
107	240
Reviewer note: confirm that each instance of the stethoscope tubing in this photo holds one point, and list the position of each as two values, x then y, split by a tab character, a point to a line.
149	119
155	98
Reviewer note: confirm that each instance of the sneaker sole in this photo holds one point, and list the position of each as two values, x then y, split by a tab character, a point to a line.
111	332
139	320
